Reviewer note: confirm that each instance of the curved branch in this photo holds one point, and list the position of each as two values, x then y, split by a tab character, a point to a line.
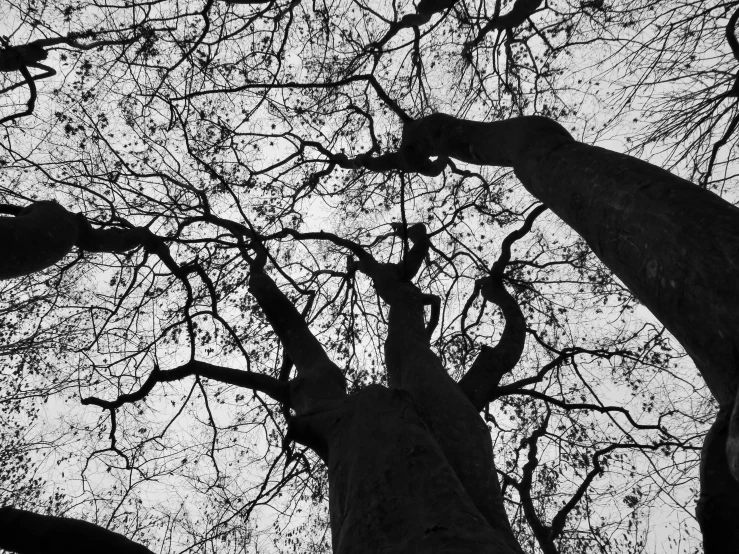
319	380
33	95
350	245
504	143
731	34
480	382
492	363
425	10
25	532
505	250
412	261
521	11
274	388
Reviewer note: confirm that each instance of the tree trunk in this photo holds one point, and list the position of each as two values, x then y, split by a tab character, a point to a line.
673	244
392	490
718	510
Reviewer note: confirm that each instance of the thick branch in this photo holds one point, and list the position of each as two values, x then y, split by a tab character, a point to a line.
247	379
505	249
425	10
37	237
521	11
502	143
731	34
480	382
42	233
434	302
28	533
30	80
352	246
319	380
13	58
412	261
492	363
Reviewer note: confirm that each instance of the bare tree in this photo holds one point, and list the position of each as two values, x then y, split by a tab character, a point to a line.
243	266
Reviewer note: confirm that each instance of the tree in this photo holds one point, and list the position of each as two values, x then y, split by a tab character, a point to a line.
176	203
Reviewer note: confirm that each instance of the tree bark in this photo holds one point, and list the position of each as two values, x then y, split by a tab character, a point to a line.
392	489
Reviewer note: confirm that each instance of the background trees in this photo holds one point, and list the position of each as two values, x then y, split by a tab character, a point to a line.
200	121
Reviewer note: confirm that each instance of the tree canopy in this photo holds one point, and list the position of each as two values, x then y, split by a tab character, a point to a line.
230	213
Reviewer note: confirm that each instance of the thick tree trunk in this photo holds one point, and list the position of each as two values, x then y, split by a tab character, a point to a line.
455	423
718	507
674	244
412	366
392	490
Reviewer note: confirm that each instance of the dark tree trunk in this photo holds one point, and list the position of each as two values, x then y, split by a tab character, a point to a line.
717	511
391	487
675	246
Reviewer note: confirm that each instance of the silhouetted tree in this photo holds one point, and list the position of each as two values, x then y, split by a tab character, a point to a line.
229	207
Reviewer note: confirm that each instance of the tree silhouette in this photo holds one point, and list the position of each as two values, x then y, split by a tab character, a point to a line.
273	254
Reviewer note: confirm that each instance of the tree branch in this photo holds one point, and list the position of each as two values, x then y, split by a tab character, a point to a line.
368	78
540	530
37	237
731	34
33	95
24	532
44	232
425	10
521	11
274	388
319	380
412	261
435	302
503	143
505	250
586	406
480	382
